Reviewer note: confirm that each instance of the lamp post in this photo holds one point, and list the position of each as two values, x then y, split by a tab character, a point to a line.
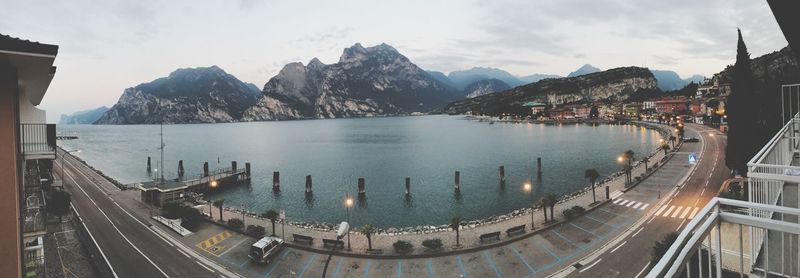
528	188
348	203
62	164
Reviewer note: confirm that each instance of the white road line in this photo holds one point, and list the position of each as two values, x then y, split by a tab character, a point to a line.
638	205
630	204
666	213
637	232
615	249
589	266
704	191
643	207
623	202
680	225
677	211
658	212
204	266
642	271
187	255
115	226
93	240
694	211
685	212
616	202
696	201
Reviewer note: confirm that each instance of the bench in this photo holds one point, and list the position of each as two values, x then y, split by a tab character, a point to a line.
332	243
304	239
516	230
490	236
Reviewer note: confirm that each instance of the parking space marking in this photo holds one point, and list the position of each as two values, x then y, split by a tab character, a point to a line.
430	268
568	240
210	245
338	266
617	214
598	221
558	259
491	263
582	229
400	269
274	266
366	268
521	258
308	263
461	266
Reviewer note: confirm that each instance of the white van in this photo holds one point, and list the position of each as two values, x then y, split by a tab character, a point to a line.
264	249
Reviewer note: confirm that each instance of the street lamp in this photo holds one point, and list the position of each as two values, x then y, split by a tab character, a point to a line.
213	184
62	164
348	203
528	188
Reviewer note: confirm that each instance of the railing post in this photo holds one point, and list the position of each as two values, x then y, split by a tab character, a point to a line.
719	246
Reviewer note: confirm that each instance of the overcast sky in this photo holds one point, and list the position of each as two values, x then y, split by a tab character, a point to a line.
107	46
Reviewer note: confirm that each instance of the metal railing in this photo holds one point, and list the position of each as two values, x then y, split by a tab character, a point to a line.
703	248
37	138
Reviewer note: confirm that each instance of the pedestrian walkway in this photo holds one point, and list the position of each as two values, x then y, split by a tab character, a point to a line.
679	212
631	204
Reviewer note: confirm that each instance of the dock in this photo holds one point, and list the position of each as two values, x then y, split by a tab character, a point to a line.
159	192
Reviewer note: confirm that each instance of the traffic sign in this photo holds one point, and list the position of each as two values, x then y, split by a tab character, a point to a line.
692	158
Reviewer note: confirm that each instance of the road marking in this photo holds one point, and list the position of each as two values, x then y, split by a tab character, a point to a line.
658	212
640	230
582	229
630	204
704	191
642	271
616	214
461	266
643	207
274	266
677	212
668	211
598	221
616	194
679	225
519	255
685	212
568	240
589	266
623	202
338	266
638	205
93	240
211	270
558	259
308	263
399	269
617	201
694	212
615	249
491	263
115	226
430	268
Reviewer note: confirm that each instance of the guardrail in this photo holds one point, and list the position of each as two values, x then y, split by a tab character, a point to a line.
689	252
37	138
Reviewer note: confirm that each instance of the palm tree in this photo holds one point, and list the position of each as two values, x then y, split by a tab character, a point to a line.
455	224
272	215
665	147
645	160
592	175
551	200
672	140
367	231
628	175
629	156
219	204
543	204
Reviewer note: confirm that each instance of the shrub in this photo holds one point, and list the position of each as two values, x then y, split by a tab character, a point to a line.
573	212
568	214
171	210
256	231
402	246
433	244
235	223
191	218
578	210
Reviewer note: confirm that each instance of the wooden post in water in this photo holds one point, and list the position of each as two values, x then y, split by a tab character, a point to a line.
502	174
608	196
247	170
180	168
408	185
458	180
539	167
148	165
308	184
205	169
233	166
276	180
362	190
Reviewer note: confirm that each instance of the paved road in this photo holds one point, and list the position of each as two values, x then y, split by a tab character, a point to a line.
631	256
130	245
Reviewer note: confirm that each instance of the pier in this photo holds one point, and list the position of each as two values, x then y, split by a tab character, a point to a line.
159	192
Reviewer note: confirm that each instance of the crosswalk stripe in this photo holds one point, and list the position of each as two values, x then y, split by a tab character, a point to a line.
638	205
666	213
616	202
685	212
694	211
677	211
658	212
643	207
623	202
631	203
616	194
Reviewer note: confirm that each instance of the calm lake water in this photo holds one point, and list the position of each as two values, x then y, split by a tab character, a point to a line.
382	150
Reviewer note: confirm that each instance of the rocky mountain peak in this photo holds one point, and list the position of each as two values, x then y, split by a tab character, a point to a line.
315	64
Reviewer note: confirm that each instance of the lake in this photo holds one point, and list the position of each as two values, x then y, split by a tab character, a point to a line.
382	150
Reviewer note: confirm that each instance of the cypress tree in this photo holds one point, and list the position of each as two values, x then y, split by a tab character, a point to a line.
742	118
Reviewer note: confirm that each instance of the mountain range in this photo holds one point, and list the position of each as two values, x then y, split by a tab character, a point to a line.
82	117
365	82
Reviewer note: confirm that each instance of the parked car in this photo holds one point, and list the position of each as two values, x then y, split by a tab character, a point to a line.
264	249
691	140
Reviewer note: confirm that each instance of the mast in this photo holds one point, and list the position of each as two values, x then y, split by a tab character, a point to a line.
162	150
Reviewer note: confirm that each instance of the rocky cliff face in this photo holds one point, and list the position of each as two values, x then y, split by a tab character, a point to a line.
192	95
485	87
82	117
365	82
611	85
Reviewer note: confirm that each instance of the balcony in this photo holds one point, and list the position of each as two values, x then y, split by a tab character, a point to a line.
38	141
34	214
717	242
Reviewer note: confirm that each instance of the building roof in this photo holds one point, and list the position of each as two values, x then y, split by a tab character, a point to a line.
12	44
534	103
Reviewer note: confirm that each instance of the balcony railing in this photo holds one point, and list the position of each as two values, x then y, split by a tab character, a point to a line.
703	249
38	139
34	213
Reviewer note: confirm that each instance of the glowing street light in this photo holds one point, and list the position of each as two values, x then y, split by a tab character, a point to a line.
528	188
620	159
213	184
348	203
